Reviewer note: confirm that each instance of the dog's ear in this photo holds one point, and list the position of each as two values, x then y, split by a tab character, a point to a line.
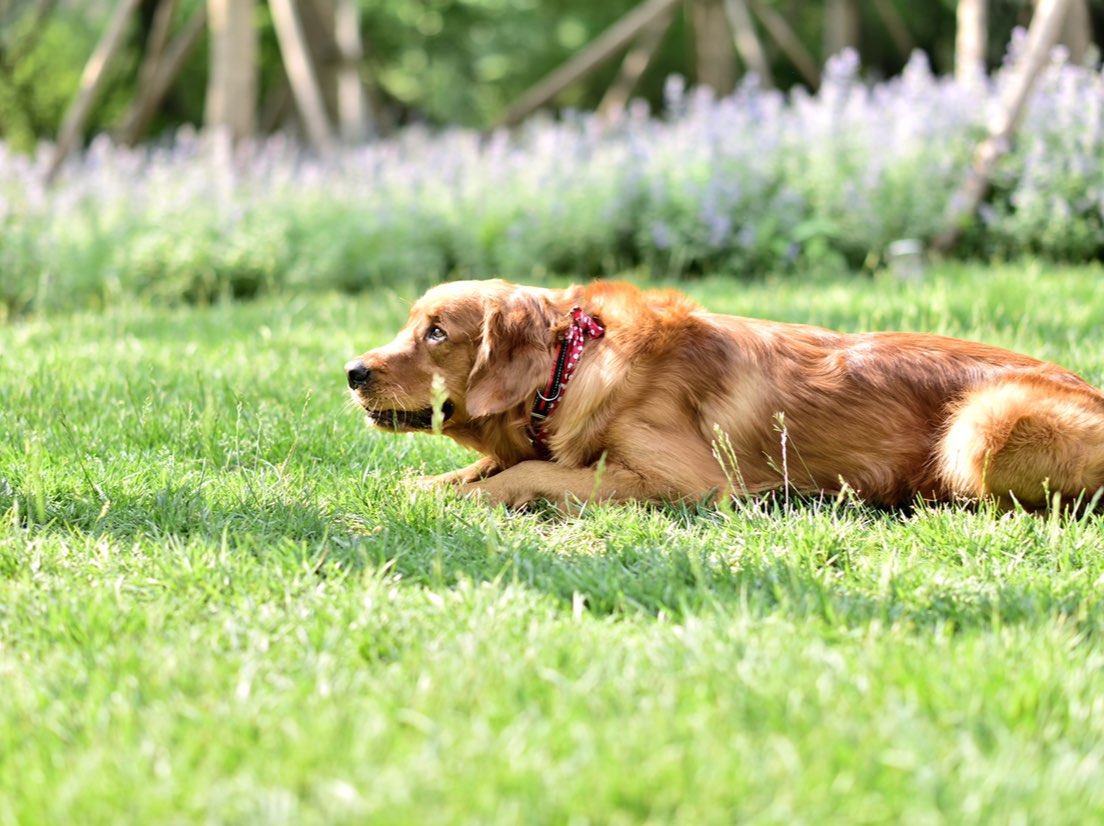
514	356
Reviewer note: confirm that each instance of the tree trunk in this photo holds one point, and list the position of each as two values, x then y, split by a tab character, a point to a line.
841	26
714	50
971	37
232	85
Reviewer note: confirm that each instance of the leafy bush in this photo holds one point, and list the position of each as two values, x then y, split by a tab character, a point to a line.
757	182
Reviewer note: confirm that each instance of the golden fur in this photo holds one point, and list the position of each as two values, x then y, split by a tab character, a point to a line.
676	403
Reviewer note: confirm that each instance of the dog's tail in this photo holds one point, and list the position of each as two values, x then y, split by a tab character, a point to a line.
1025	437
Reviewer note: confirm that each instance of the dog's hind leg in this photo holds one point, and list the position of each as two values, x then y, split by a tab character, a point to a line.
1024	437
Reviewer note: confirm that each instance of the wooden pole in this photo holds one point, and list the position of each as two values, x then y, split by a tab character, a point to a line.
633	67
841	26
232	83
1077	31
1041	37
747	41
352	108
277	107
787	41
714	50
156	41
608	44
971	36
152	93
301	74
895	25
318	19
91	83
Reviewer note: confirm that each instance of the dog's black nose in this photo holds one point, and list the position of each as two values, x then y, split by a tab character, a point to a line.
357	373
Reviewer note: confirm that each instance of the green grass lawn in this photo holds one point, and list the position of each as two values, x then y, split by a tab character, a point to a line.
221	602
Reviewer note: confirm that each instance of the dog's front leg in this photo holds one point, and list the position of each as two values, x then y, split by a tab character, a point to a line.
561	485
479	469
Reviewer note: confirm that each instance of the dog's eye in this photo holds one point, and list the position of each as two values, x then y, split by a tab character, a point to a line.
436	334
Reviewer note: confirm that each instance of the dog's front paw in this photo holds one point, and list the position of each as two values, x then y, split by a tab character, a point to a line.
436	481
494	494
480	469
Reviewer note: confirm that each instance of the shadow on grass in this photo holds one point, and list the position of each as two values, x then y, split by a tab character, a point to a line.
596	563
651	574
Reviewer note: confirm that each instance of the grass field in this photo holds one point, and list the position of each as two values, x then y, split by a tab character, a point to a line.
221	602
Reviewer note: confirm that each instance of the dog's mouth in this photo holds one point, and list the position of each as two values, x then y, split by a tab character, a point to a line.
409	419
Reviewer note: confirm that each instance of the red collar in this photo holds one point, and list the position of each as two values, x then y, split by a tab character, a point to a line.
581	329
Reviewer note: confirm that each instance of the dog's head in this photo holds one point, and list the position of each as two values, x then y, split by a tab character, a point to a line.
490	342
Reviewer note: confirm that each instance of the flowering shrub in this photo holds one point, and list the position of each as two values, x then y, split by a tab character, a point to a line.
756	182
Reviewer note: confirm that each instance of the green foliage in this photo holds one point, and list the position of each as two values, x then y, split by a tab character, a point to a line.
448	61
220	600
441	61
463	61
40	68
338	248
35	90
756	183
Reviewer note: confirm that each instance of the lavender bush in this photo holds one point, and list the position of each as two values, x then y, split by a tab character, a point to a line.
752	183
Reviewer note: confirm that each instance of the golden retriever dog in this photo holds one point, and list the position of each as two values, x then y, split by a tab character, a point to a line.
613	393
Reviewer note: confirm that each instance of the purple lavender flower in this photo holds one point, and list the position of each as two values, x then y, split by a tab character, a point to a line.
740	182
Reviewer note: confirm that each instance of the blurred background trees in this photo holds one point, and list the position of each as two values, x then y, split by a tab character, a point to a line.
464	62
